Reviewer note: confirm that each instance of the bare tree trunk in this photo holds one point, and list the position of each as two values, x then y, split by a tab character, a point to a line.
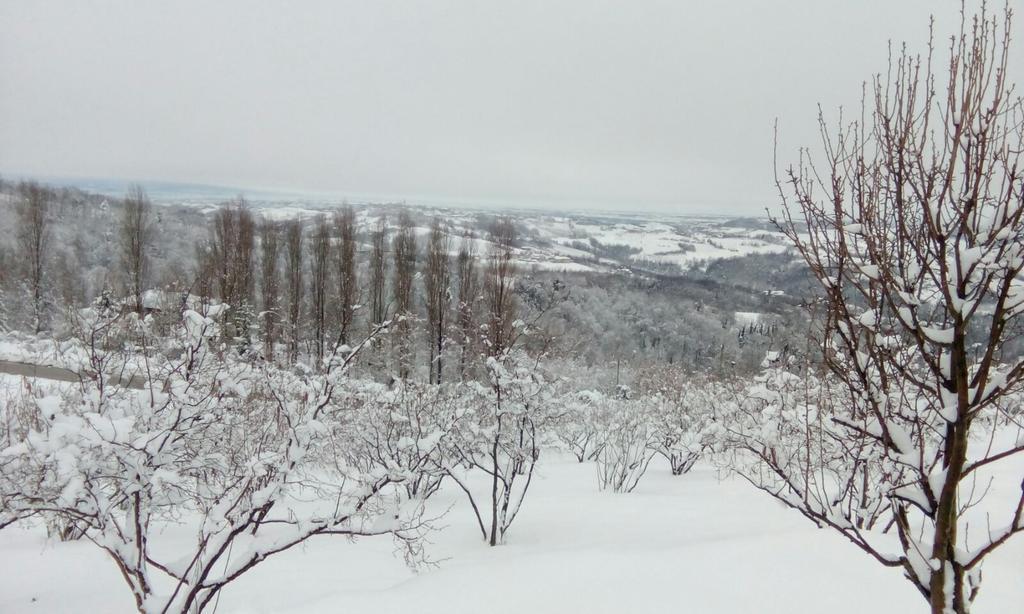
33	239
437	288
232	243
378	273
319	264
468	291
345	259
270	284
204	274
499	278
403	248
293	284
135	235
495	472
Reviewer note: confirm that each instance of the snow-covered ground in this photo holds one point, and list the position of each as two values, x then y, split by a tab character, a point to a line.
551	241
704	542
683	243
696	543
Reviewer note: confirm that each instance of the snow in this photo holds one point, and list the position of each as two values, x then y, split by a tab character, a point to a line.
943	336
280	213
695	543
683	242
747	317
557	266
571	252
16	347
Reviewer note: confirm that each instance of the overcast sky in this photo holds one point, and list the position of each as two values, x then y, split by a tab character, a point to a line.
636	104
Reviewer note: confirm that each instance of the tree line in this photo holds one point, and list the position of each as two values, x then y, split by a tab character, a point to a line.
297	288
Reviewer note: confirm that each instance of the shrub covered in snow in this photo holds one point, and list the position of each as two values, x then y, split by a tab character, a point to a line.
625	443
238	452
405	428
576	424
505	424
683	421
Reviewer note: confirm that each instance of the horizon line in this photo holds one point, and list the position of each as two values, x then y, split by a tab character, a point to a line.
222	192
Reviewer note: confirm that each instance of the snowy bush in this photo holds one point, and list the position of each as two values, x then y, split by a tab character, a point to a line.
404	429
624	446
25	402
785	437
576	425
501	434
683	424
235	451
21	402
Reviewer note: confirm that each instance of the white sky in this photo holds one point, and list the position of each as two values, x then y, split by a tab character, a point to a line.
639	104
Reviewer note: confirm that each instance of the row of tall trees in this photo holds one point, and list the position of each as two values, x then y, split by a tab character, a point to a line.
295	288
310	286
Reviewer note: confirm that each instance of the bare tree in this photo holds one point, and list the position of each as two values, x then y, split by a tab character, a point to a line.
270	283
232	243
135	236
913	224
504	444
499	279
501	437
468	293
6	267
293	283
437	288
33	239
348	281
403	248
204	273
319	265
378	273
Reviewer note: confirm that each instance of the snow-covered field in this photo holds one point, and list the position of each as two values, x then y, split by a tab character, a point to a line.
687	241
696	543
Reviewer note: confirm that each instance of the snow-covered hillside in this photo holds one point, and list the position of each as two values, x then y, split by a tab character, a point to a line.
577	242
568	240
